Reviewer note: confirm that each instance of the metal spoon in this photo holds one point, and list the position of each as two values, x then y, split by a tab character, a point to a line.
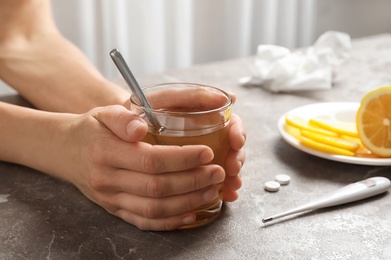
123	68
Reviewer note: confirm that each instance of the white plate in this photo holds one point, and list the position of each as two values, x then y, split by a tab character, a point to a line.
344	112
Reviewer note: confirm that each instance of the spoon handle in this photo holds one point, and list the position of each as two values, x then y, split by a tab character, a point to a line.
127	74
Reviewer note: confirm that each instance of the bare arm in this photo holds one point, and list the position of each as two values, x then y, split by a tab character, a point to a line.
44	67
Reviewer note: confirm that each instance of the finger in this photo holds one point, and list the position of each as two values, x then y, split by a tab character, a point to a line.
154	159
234	162
233	96
165	224
122	122
153	208
230	196
232	183
237	133
163	185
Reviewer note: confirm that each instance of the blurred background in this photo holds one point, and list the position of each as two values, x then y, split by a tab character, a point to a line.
157	35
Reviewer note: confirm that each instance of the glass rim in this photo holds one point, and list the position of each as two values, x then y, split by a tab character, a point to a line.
188	84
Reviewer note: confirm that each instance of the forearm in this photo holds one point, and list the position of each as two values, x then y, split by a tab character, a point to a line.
30	137
53	75
46	68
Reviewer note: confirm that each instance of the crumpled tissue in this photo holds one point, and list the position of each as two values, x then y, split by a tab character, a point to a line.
278	69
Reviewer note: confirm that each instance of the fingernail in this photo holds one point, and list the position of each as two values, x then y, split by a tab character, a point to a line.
244	137
217	177
210	194
206	156
189	219
133	126
240	163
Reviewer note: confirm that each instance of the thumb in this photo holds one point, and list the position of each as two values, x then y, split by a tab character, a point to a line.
122	122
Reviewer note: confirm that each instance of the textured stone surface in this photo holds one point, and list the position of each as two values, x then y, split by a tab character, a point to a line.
44	218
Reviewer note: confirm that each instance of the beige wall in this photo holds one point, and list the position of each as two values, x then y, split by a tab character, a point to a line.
356	17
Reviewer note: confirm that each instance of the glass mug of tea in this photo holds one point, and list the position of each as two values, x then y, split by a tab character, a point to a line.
189	114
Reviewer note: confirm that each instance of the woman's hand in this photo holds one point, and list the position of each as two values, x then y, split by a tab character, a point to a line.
151	187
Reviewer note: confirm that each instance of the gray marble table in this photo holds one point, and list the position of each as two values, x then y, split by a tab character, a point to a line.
44	218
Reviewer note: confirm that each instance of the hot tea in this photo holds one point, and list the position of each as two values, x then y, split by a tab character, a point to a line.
190	114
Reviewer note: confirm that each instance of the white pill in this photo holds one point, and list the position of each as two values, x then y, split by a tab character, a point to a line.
283	179
272	186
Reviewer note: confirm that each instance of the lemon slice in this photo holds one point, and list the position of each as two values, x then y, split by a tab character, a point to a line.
336	127
337	142
374	121
293	131
303	125
324	147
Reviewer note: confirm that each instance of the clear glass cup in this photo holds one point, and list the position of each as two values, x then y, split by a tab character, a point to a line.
188	114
